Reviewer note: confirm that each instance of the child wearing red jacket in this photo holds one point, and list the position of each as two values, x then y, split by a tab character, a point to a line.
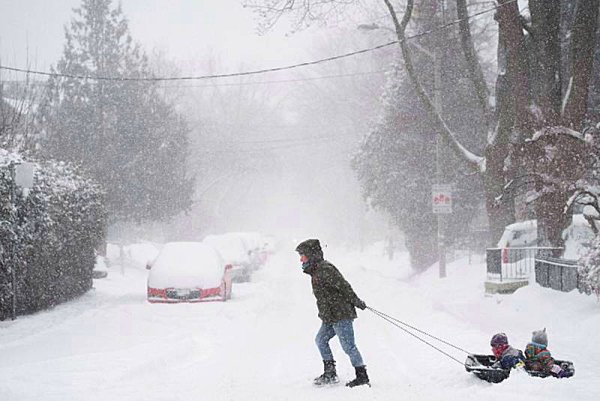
507	357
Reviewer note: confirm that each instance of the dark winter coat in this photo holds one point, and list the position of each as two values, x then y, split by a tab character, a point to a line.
336	299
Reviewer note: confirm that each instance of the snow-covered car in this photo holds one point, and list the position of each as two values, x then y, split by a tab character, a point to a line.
100	269
578	237
519	235
522	234
234	251
257	247
188	272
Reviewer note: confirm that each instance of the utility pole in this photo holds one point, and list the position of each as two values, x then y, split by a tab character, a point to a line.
437	83
13	259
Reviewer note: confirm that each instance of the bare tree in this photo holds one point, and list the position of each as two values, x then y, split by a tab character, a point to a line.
522	107
18	100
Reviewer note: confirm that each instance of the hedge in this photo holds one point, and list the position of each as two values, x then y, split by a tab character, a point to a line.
49	237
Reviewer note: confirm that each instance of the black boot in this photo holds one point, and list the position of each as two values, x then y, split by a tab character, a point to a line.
329	375
361	377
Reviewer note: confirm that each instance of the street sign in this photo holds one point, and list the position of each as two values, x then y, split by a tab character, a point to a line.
441	198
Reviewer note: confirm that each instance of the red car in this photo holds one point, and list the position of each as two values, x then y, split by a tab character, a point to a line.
188	272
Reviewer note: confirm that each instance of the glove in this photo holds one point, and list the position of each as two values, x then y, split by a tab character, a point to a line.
360	304
563	373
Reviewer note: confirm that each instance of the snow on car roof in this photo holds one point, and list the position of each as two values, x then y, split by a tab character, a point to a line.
529	226
186	265
252	240
522	225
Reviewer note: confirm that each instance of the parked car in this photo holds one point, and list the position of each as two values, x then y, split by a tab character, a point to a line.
522	234
257	247
100	269
188	272
519	235
578	237
234	251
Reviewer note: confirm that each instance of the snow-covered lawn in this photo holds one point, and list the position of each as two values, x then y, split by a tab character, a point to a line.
112	345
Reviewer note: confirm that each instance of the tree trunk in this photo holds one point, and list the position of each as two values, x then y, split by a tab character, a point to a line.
551	220
512	94
546	52
500	209
512	40
583	46
422	248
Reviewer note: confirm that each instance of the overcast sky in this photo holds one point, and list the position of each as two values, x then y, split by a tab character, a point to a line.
186	29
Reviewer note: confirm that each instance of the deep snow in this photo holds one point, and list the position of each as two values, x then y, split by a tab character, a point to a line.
111	344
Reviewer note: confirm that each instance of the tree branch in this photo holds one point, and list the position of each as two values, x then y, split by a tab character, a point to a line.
473	160
582	61
473	66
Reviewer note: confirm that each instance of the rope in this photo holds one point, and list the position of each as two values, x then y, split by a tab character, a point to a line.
395	322
421	331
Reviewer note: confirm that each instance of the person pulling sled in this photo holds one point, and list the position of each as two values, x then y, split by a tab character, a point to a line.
336	303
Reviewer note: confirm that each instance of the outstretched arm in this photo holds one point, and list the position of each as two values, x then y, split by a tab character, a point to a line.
335	279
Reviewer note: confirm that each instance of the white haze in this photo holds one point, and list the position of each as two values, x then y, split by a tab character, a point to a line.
269	157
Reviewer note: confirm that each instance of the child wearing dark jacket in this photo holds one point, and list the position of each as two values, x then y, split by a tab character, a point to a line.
507	357
538	357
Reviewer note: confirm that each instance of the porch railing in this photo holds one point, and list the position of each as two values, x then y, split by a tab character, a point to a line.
511	264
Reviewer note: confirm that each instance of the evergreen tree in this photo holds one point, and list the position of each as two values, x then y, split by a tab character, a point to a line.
121	132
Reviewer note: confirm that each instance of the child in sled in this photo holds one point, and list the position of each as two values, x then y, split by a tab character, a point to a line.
538	357
507	357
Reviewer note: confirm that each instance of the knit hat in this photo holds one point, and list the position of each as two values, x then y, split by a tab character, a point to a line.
310	247
499	339
540	337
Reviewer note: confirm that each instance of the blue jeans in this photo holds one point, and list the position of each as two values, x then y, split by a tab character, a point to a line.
345	332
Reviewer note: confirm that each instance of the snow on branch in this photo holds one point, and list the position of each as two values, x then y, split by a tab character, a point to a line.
475	161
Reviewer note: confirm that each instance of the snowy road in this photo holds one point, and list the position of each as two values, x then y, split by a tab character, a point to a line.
112	345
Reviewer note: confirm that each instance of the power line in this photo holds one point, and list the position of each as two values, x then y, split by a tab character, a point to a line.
249	83
353	74
260	71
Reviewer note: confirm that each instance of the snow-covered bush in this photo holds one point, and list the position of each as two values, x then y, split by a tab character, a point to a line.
589	270
49	237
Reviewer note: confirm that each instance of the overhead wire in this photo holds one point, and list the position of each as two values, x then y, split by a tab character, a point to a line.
259	71
279	81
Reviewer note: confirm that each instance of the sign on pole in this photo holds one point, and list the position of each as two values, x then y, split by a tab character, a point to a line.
441	198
